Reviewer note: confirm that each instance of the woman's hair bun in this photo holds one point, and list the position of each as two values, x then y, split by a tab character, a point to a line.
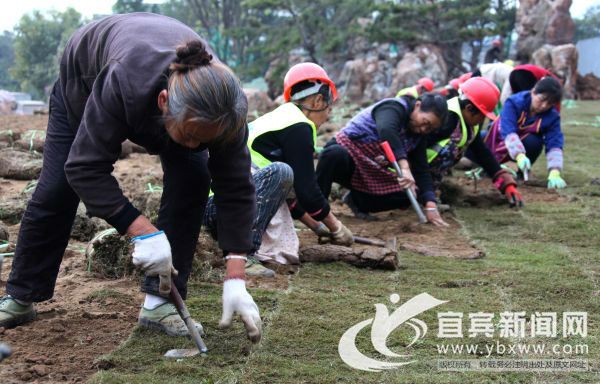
191	55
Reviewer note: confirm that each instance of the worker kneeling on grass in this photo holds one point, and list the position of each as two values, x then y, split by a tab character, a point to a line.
477	100
355	160
288	134
131	77
529	122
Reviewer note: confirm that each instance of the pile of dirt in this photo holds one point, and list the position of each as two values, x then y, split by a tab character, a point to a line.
4	234
85	227
424	239
32	141
463	191
58	346
20	165
109	255
8	137
12	209
148	201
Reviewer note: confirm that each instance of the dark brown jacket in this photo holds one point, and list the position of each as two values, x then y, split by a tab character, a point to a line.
111	73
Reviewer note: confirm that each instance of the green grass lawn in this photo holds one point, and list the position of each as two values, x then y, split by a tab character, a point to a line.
543	258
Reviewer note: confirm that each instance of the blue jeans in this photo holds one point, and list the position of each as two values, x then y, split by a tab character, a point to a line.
273	183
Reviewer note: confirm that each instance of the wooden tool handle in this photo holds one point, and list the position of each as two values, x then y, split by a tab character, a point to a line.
185	315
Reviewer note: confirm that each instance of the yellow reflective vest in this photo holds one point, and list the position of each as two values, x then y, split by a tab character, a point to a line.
282	117
410	91
454	107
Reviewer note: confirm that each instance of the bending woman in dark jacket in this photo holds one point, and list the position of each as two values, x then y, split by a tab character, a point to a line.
354	158
152	80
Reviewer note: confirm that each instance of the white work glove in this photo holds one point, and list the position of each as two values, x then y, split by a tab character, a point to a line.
152	254
343	236
237	300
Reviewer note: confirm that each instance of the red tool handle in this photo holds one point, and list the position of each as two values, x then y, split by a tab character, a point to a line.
413	201
389	154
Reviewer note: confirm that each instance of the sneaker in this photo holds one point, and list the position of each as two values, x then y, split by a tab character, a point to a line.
256	269
165	318
347	199
13	313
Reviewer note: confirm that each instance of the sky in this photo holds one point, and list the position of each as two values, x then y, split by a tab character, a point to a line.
12	10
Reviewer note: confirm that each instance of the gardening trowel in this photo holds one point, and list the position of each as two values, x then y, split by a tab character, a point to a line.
191	326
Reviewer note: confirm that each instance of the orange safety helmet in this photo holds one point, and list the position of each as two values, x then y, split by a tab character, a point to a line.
483	94
426	83
455	83
306	71
465	76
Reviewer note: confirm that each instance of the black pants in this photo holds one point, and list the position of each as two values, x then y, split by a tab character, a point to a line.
336	165
48	219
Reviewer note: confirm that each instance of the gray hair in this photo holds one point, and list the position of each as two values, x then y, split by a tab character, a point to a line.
205	92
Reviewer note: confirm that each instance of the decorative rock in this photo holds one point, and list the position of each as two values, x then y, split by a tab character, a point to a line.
542	22
561	60
424	60
259	103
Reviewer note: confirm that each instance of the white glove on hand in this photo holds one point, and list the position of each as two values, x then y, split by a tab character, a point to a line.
152	254
343	236
237	300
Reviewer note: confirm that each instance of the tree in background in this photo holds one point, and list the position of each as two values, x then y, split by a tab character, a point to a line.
589	25
446	23
251	35
323	29
180	10
128	6
39	40
7	59
254	35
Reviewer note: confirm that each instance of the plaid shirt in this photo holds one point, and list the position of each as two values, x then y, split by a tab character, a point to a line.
369	175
